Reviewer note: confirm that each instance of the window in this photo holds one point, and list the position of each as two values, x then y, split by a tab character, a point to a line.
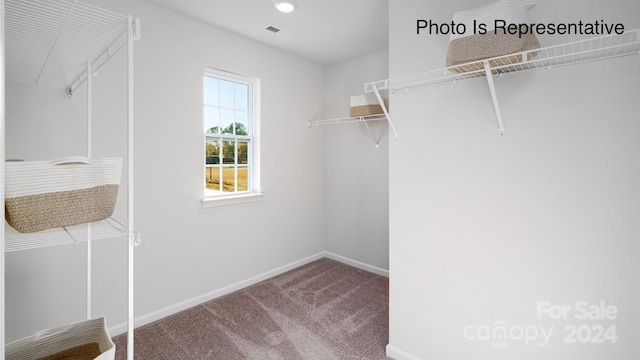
230	126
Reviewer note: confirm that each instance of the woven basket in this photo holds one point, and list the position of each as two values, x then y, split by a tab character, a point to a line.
87	340
468	48
40	195
367	104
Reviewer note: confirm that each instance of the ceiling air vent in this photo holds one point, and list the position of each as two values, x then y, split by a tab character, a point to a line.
273	29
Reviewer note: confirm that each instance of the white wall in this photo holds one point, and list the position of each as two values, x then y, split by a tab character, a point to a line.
356	197
44	287
482	228
187	251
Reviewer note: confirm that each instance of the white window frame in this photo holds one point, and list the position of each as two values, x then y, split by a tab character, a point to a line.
253	193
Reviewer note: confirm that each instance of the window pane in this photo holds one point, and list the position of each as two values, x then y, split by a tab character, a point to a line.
228	126
211	123
212	151
243	179
229	179
228	152
241	119
226	94
243	152
210	91
242	97
212	178
226	121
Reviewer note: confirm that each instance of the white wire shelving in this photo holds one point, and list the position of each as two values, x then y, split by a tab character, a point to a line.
352	120
347	120
44	36
598	48
63	43
106	229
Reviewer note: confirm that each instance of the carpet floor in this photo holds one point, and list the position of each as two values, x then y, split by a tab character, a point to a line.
321	310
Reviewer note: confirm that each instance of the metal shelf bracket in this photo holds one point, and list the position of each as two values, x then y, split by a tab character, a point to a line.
134	238
376	140
385	111
494	98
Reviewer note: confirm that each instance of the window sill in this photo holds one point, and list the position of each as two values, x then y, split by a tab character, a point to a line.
209	202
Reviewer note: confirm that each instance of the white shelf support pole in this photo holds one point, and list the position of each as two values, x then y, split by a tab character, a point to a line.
2	135
130	326
386	113
133	33
494	98
89	155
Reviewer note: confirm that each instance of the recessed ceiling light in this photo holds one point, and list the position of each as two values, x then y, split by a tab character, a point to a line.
286	6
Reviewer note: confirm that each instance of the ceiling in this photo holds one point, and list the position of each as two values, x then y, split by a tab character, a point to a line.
323	31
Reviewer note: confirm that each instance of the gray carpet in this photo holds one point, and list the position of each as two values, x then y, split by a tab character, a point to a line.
322	310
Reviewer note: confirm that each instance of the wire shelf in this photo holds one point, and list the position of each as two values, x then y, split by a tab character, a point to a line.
348	120
44	36
62	43
593	49
109	228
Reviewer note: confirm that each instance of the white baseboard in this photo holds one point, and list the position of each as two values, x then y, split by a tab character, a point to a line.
357	264
397	354
170	310
175	308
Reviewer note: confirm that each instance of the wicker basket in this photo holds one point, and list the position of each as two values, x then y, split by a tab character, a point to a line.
40	195
87	340
468	48
367	104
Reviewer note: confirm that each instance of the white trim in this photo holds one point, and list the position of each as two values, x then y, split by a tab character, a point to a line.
213	201
397	354
253	128
357	264
195	301
183	305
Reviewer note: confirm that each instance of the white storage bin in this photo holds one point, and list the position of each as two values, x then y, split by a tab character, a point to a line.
87	340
